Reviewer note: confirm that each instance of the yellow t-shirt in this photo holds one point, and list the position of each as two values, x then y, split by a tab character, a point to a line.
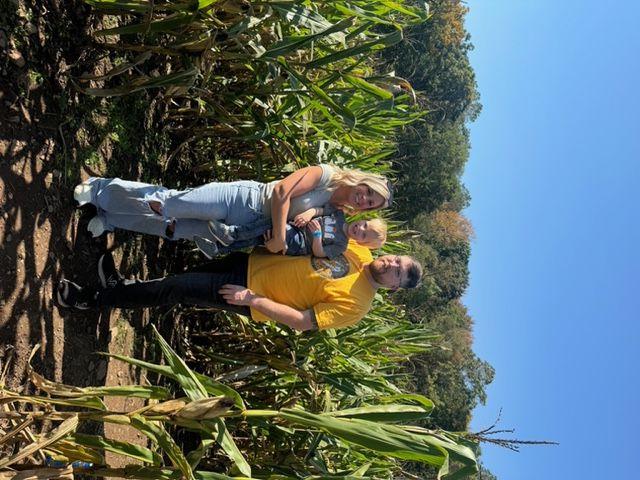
337	290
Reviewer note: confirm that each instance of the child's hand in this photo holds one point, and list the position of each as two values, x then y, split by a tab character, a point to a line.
302	219
314	225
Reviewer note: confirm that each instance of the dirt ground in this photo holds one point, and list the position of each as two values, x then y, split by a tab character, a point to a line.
42	235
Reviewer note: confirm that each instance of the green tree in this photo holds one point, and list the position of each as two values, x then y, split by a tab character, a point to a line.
430	163
452	376
434	58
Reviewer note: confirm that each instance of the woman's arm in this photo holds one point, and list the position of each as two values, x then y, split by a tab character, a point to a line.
298	183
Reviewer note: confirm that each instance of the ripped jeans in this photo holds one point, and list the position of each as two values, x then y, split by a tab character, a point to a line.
125	204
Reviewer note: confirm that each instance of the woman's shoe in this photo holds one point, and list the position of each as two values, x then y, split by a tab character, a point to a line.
96	226
82	193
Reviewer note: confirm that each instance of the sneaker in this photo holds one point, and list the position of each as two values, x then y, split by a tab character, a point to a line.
72	295
82	193
222	232
107	271
207	247
96	226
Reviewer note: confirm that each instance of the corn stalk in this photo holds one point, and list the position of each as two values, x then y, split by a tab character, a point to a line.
366	431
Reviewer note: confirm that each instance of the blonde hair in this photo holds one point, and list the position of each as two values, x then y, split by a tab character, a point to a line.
379	229
351	178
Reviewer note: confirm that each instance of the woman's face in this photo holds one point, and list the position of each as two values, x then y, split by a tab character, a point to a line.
363	197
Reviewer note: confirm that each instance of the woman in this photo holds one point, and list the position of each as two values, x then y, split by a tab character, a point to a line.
185	214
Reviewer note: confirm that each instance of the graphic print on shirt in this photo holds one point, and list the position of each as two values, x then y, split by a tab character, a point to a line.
331	268
328	230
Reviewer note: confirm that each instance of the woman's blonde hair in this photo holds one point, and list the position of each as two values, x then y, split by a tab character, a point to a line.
351	178
379	229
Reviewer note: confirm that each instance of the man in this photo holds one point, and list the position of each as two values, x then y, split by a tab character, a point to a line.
304	293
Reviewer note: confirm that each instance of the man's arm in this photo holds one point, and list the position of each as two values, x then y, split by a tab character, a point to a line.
284	314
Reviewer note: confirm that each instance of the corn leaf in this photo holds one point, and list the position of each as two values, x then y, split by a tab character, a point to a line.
222	436
61	431
290	44
368	47
183	374
84	402
115	446
157	433
62	390
384	413
169	24
211	386
73	451
371	88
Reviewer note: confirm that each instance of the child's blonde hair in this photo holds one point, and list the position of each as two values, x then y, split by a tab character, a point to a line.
379	228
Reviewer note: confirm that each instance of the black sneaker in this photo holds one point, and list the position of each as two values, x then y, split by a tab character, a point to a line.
207	247
222	232
71	295
109	275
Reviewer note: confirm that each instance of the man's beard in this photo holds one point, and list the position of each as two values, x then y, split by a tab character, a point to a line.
376	272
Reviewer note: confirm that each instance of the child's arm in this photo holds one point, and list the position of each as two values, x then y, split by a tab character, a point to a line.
316	246
302	219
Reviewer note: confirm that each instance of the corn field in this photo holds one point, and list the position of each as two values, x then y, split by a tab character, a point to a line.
286	82
263	87
369	441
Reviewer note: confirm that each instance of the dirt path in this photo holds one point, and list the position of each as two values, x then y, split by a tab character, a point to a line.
42	235
38	225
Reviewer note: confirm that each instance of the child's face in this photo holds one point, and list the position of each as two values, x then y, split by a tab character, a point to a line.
360	232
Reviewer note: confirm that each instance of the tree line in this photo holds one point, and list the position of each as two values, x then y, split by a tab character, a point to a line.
430	160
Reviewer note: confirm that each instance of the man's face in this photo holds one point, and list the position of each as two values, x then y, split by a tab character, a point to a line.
390	271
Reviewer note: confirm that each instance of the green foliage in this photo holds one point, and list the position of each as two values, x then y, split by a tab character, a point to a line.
430	163
434	57
337	439
290	78
254	90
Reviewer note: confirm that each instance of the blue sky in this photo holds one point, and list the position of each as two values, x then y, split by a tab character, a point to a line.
554	177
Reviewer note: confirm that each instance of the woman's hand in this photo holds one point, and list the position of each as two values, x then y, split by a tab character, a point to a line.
273	244
303	218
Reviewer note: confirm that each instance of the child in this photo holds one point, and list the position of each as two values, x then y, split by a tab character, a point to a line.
325	236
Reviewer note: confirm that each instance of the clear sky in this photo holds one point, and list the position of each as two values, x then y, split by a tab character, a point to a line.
554	176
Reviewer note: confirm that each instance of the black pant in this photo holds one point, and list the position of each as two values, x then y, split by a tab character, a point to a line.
196	287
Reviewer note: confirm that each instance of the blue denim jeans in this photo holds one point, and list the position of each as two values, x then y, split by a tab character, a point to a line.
125	204
251	235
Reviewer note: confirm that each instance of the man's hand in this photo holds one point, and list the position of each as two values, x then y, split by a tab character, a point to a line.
314	226
303	218
237	295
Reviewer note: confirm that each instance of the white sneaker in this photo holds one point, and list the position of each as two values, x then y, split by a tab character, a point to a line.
82	193
96	226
